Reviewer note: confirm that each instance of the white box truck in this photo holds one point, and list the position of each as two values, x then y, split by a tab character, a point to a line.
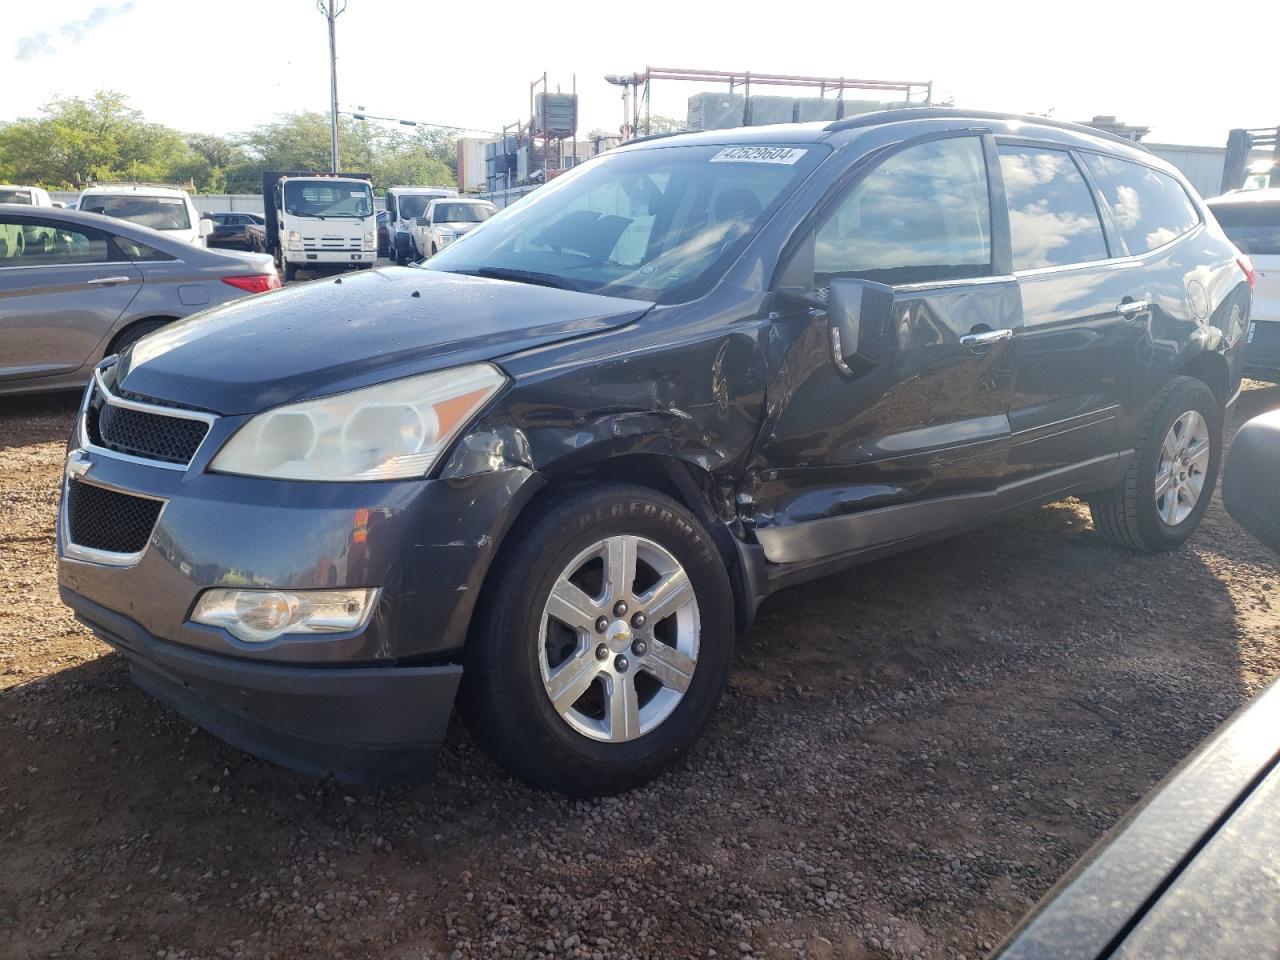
319	221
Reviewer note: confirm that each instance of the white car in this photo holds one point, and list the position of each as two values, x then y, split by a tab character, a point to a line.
32	196
444	221
1251	218
165	208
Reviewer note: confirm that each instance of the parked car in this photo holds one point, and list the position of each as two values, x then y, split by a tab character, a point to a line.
32	196
244	231
76	287
446	220
162	207
384	234
1251	219
1191	871
405	205
560	462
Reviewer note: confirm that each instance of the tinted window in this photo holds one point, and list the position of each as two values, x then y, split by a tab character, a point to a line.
1052	216
15	196
47	242
158	213
923	215
1253	227
1151	207
140	252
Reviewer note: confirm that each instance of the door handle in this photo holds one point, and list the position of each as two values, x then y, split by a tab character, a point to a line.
980	340
108	281
1131	308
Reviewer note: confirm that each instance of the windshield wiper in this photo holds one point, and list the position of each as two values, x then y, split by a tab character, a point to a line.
525	276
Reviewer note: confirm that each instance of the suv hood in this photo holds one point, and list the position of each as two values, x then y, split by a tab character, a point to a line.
333	335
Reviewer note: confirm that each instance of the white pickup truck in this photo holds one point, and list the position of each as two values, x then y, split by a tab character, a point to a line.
405	205
444	221
319	221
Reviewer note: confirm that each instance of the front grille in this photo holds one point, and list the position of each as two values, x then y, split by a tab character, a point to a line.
103	519
143	434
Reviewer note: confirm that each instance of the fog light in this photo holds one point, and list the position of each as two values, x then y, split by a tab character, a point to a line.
259	616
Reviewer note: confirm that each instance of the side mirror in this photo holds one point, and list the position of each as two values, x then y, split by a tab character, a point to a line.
206	226
860	315
1251	480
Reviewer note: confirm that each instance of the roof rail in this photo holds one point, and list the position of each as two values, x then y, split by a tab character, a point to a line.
938	113
654	136
138	183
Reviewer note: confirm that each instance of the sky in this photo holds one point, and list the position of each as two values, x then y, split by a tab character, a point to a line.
1190	72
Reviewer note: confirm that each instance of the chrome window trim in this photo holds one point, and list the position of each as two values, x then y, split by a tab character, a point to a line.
82	429
962	282
74	551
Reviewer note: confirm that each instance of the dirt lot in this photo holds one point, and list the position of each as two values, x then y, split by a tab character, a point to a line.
908	756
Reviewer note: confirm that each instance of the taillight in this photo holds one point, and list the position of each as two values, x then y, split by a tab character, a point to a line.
1247	266
256	283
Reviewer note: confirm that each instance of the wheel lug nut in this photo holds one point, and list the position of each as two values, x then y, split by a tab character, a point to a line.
620	608
639	648
602	652
602	624
639	620
621	663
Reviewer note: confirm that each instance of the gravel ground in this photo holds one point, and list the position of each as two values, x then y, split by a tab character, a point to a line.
907	757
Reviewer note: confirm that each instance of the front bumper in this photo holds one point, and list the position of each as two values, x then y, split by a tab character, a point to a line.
367	725
333	258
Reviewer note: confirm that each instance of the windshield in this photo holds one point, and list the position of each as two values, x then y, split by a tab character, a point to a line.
158	213
412	207
15	196
321	198
660	224
1253	227
461	213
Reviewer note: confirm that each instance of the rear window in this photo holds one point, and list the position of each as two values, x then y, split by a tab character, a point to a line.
1253	227
1151	207
158	213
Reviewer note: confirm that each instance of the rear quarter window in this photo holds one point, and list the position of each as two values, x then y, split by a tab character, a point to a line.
1151	207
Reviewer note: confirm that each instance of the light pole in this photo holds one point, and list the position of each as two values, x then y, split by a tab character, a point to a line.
332	9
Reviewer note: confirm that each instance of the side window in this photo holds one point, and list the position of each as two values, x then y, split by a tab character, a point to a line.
139	252
32	242
923	215
1052	217
1151	207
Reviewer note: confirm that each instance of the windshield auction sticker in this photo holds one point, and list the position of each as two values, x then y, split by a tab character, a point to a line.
786	155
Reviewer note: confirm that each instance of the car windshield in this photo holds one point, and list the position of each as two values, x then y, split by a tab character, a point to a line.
1253	227
659	224
15	196
461	213
311	198
412	207
158	213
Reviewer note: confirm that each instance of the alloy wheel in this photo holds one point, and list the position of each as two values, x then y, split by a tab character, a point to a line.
618	642
1180	474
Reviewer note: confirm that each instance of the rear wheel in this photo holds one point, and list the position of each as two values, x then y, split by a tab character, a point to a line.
132	334
602	645
1168	486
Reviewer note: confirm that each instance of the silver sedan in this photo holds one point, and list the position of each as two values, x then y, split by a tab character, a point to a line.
76	287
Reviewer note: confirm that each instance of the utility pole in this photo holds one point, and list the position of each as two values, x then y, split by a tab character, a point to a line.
332	9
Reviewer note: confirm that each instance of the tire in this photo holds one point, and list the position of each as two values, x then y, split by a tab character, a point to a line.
581	749
132	334
402	250
290	271
1131	514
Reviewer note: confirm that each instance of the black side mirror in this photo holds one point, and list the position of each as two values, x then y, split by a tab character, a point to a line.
1251	481
860	314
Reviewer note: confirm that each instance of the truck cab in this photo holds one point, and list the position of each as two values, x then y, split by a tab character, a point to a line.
448	220
319	222
405	205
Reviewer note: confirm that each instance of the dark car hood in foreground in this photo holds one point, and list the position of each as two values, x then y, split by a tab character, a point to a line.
338	334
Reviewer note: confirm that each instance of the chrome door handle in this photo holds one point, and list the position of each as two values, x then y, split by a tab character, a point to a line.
985	338
1131	308
108	281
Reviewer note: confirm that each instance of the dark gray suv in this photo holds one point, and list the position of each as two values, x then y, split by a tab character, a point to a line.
561	463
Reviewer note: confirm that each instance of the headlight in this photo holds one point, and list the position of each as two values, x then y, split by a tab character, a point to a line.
294	239
385	432
259	616
370	240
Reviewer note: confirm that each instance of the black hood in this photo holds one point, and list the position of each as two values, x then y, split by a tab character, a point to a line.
333	335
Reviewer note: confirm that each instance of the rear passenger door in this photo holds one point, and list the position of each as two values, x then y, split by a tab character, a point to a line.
1083	310
62	288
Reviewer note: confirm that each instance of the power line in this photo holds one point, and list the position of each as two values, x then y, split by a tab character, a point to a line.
417	123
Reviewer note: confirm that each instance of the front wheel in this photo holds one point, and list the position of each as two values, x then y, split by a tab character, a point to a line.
602	643
290	271
1168	486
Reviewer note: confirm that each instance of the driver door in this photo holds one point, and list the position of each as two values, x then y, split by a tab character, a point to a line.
914	439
